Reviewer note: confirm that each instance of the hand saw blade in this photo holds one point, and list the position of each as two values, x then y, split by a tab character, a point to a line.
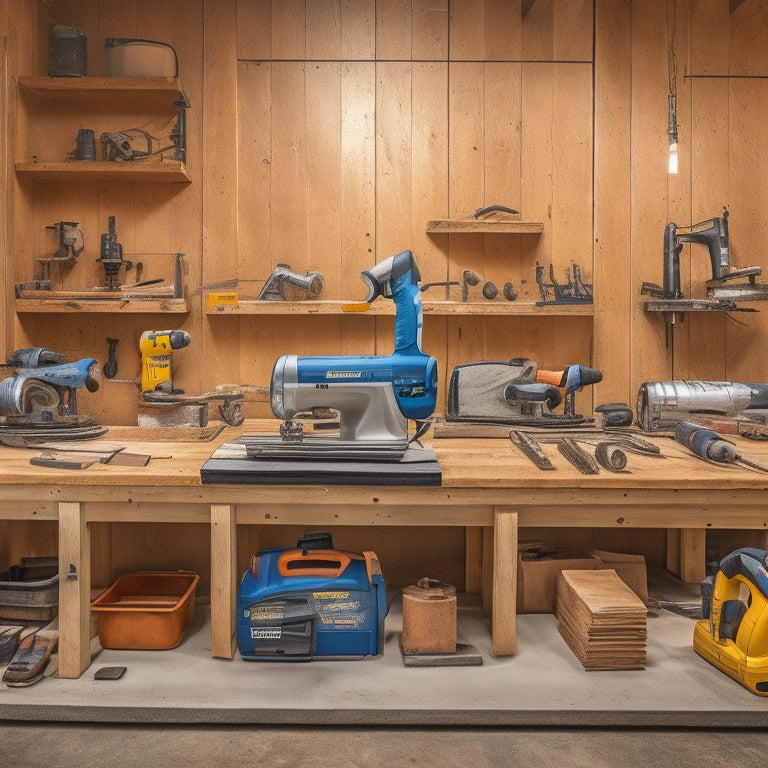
531	449
578	457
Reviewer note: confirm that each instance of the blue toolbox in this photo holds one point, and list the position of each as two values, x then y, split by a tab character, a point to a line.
311	601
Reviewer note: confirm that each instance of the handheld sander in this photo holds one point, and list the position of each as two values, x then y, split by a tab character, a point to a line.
733	633
517	392
374	396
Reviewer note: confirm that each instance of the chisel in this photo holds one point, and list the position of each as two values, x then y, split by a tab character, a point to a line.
531	449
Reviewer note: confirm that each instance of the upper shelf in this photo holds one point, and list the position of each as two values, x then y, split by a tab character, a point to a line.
471	225
171	171
488	308
102	306
129	91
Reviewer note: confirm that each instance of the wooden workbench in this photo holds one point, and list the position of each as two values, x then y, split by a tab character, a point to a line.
488	487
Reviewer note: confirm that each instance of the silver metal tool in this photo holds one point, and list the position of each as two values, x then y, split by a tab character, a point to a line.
309	285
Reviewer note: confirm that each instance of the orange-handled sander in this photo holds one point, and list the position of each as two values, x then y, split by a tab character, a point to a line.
517	392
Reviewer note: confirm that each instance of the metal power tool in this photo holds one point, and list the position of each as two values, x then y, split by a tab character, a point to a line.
721	291
42	393
733	633
662	404
708	445
517	392
156	348
309	285
374	396
311	601
71	245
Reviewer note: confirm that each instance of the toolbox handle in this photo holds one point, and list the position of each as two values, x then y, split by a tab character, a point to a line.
329	564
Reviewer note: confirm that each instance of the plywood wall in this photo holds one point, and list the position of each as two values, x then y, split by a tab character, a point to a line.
326	133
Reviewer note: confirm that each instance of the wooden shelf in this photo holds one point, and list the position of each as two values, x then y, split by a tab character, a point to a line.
488	308
105	91
104	306
170	171
471	225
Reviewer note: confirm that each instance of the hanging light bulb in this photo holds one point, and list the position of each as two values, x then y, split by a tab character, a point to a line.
672	133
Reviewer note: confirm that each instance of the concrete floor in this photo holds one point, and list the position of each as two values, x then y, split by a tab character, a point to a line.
123	746
537	708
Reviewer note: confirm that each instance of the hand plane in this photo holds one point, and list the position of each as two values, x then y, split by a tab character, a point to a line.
733	632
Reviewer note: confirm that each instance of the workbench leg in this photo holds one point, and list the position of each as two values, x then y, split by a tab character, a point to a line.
74	591
223	578
691	548
487	570
503	619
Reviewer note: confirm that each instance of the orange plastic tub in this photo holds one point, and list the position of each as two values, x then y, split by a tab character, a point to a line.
146	610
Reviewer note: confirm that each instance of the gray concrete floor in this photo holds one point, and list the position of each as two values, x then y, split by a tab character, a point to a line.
123	746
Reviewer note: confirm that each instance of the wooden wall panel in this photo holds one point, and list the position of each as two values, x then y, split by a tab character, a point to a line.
615	285
748	199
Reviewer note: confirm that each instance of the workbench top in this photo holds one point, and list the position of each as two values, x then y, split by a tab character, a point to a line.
466	463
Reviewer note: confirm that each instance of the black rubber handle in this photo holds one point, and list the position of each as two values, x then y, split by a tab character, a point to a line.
492	209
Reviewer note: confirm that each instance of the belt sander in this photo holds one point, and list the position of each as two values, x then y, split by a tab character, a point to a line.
311	601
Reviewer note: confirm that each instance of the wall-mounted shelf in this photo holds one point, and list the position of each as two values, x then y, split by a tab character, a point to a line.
471	225
103	306
68	97
171	171
488	308
104	91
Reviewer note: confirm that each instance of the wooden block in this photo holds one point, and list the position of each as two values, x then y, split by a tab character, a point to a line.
429	618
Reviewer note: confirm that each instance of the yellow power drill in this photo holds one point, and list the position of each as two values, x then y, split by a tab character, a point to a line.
155	348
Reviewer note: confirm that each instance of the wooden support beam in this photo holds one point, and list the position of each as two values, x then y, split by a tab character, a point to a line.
223	579
74	591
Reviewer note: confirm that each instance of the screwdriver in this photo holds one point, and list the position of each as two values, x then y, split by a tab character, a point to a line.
707	444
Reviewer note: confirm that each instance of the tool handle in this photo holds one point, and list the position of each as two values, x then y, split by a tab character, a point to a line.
705	443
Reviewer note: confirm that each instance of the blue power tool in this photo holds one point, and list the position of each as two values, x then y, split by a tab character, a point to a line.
42	392
374	396
311	601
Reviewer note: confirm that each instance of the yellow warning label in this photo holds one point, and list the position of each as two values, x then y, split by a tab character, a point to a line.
330	595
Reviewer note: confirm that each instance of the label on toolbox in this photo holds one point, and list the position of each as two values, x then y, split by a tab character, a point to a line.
266	633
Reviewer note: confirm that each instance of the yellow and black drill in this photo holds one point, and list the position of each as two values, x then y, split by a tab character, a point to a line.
155	348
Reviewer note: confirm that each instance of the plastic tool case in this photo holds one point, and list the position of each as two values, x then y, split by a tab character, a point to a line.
311	601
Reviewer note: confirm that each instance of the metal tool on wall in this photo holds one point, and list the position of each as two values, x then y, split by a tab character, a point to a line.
137	144
573	291
285	285
71	245
727	286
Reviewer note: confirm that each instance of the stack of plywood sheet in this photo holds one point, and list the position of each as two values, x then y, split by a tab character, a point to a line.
602	619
